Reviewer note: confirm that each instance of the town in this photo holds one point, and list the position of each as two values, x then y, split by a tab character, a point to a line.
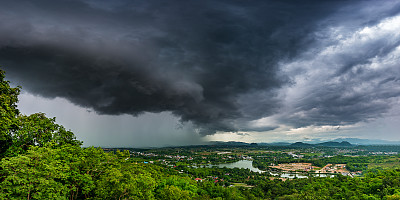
238	165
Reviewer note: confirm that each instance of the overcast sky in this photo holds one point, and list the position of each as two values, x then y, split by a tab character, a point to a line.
156	73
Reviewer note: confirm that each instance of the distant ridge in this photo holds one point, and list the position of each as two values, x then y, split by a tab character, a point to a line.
275	144
359	141
323	144
335	144
301	144
230	143
339	142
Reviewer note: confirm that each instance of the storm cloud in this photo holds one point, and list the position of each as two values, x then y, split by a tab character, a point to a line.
218	64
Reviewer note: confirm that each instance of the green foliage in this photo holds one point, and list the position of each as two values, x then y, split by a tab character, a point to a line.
34	176
72	172
8	112
171	192
19	132
121	180
38	130
356	166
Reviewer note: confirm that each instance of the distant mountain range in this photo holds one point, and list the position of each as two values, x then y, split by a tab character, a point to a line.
335	144
230	143
296	144
301	144
275	144
339	142
355	141
358	141
323	144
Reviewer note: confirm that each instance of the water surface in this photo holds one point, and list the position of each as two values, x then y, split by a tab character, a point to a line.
244	164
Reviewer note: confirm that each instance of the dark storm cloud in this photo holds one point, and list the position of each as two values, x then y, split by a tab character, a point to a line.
214	63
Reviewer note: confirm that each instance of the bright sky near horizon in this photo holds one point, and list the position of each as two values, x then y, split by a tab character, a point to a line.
158	73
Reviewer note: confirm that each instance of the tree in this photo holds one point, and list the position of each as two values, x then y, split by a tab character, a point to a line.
19	132
171	192
69	172
37	130
36	175
8	112
122	180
